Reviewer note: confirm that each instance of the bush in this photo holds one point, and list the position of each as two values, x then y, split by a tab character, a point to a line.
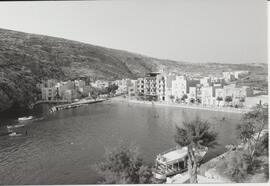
234	167
238	166
122	165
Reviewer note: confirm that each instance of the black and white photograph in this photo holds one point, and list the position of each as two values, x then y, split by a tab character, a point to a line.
133	92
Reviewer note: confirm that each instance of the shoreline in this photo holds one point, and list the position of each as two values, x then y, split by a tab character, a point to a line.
194	107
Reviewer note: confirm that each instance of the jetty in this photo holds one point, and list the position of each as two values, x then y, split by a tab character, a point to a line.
75	104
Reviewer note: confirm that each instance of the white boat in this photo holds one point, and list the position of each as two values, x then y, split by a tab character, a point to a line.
14	134
25	118
174	161
14	126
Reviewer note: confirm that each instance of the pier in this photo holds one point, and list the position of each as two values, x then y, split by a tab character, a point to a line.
76	104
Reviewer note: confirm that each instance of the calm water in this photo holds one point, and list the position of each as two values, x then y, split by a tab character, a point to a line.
62	148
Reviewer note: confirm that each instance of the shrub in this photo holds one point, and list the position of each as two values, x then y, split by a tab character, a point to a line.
123	165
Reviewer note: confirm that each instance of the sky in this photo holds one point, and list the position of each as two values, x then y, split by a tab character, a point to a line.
225	31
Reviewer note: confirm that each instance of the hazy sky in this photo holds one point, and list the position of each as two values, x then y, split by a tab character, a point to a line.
230	31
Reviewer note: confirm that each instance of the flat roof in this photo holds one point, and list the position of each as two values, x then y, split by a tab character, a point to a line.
175	154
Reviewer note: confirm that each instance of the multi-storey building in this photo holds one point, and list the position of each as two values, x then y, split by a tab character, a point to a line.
237	93
48	93
140	86
101	84
154	85
79	85
193	93
205	81
123	85
168	87
228	76
132	88
179	86
160	87
207	95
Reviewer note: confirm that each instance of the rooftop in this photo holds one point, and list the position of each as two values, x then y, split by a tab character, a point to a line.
174	154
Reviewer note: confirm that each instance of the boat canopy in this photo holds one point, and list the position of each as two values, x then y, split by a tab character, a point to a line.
173	155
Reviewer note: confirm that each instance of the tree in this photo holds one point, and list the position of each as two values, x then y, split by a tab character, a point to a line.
192	100
263	145
123	165
219	99
250	130
178	100
111	88
184	97
228	99
172	97
195	135
94	93
250	133
236	168
198	100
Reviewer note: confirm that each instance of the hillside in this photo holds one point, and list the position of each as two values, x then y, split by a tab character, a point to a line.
25	59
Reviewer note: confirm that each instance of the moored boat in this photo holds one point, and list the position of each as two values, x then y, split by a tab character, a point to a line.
25	118
174	161
14	126
14	134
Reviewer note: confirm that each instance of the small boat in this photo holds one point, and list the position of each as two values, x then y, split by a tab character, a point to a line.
14	126
25	118
14	134
174	161
53	109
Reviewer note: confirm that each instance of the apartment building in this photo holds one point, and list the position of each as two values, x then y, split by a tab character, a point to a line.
101	84
123	85
79	85
168	87
208	95
205	81
48	93
179	86
228	76
140	86
193	93
154	85
132	87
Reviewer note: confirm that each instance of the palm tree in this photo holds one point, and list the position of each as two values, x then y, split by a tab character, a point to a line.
195	135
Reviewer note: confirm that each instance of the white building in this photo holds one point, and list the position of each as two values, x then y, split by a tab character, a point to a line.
179	86
140	86
100	84
168	87
207	95
205	81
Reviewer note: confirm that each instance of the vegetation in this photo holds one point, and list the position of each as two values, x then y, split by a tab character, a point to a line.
219	99
253	124
94	93
192	100
228	99
172	97
184	97
123	165
111	89
252	159
195	135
